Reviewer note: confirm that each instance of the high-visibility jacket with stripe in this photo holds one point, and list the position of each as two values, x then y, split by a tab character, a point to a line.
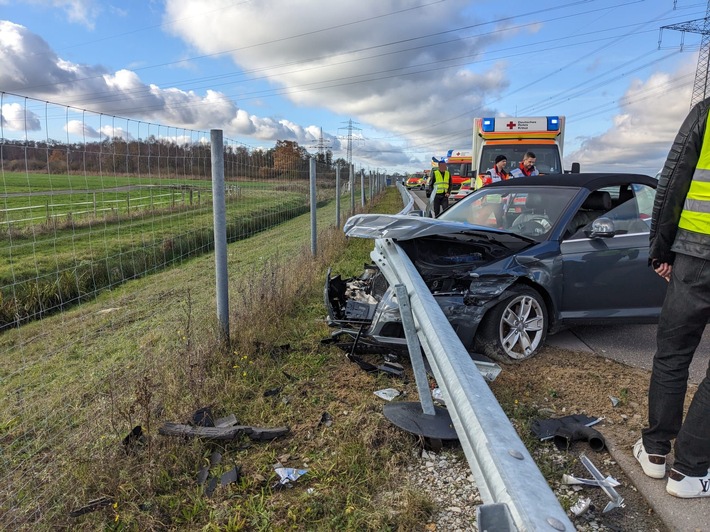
695	216
441	182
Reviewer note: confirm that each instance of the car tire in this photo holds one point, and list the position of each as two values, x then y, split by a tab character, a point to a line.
516	328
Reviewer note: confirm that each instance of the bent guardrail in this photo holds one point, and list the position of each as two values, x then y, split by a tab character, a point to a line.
515	494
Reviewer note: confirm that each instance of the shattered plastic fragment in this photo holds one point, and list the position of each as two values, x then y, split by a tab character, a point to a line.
614	401
387	394
438	396
581	506
288	474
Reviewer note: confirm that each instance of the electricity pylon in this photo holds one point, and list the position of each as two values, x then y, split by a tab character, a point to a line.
701	26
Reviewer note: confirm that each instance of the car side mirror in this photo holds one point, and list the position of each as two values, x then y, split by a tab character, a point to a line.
602	228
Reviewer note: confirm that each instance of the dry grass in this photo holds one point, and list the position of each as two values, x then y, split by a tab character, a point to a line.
150	353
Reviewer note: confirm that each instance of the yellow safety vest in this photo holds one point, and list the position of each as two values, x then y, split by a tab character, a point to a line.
441	182
696	210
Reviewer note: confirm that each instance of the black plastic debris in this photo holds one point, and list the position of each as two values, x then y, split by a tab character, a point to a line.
231	476
326	420
203	417
92	506
203	473
569	433
134	439
273	391
222	433
546	429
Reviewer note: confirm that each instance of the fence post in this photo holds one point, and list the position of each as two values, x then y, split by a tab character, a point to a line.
220	231
128	202
94	204
337	196
352	189
362	187
312	178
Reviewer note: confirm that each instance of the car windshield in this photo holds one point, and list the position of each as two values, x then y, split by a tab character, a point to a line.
547	156
528	211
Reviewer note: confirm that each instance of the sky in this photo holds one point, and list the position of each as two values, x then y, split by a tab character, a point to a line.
402	79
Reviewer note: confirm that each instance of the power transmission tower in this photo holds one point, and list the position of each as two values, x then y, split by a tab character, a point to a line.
321	146
350	128
701	26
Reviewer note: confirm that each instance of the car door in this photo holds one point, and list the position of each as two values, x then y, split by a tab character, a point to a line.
609	277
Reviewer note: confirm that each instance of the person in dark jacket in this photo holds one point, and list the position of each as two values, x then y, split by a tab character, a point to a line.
680	253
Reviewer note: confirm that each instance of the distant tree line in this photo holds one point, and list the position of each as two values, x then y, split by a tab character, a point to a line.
162	158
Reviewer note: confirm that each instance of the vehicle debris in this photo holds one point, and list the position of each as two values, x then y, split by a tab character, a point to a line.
134	439
571	480
388	394
92	506
287	475
568	433
227	428
546	429
617	501
326	420
581	506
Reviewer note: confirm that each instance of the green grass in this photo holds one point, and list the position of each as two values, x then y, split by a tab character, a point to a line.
148	352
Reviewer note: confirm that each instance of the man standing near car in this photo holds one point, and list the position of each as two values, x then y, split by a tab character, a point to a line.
680	253
440	184
526	166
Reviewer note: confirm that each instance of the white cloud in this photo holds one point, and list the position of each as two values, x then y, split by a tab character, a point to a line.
78	11
650	114
385	69
15	117
81	129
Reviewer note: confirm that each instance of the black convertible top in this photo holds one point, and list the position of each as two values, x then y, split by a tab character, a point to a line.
589	181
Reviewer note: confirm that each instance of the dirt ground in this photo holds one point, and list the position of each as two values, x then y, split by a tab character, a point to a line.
559	383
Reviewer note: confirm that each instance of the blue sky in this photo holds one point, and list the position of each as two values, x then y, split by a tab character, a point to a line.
410	74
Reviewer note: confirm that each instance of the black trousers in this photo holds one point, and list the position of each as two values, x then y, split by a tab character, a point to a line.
441	203
685	313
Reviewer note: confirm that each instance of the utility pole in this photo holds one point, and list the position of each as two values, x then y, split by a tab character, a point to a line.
321	147
701	26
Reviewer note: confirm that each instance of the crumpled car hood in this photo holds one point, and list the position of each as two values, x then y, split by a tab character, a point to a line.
405	227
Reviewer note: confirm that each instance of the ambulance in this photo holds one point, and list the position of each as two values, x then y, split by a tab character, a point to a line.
458	163
512	137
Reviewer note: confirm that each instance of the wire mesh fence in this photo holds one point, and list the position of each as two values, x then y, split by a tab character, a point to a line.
89	202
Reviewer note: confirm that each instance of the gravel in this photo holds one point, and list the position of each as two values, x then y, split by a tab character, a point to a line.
447	478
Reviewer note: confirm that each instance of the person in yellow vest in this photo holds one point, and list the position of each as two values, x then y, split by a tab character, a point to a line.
680	253
440	183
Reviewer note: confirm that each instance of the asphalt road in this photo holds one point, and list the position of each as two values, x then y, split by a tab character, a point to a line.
633	345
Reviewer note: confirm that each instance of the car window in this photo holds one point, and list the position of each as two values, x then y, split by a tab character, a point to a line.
631	210
528	211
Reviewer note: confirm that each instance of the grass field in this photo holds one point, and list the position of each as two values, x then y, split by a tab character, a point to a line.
60	259
147	352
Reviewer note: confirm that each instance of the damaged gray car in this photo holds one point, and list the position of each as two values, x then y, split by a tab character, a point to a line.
511	263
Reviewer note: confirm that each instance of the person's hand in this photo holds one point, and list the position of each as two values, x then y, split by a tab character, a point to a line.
663	269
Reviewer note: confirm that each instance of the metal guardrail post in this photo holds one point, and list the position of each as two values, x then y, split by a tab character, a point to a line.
502	466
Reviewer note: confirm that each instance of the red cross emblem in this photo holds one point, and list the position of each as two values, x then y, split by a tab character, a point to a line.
510	124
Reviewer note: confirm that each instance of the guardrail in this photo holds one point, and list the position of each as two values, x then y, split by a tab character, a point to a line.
515	494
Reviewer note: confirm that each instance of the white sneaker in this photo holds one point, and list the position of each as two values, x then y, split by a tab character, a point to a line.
654	465
680	485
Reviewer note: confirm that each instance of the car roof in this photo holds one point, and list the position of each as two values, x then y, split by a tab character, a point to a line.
591	181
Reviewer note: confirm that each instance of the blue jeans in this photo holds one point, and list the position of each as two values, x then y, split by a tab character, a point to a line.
683	318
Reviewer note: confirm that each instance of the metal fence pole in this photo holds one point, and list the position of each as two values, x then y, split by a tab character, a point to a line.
352	189
220	231
337	196
362	187
312	177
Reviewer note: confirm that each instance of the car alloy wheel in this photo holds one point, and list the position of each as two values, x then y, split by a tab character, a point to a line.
516	328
